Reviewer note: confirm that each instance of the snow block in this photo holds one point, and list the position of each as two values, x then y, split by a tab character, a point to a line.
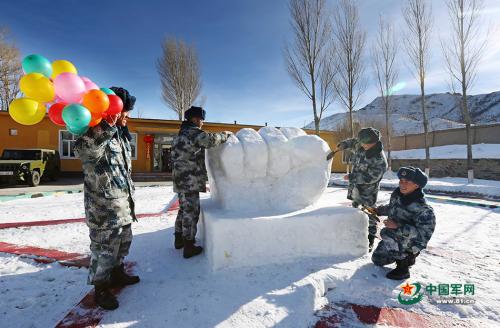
238	239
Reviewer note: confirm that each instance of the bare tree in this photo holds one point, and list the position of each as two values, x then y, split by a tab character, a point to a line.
309	56
10	70
139	113
384	53
418	17
463	52
350	42
179	75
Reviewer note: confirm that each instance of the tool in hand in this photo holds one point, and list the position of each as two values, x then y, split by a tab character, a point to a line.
331	154
370	211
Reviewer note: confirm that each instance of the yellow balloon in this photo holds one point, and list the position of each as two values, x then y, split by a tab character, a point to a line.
36	86
26	111
62	66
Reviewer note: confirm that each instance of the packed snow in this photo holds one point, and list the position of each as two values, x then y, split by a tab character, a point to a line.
175	292
273	170
479	151
234	239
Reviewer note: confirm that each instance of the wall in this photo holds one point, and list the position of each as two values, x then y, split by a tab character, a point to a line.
483	168
480	134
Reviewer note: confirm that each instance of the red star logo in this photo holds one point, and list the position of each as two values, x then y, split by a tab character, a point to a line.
407	289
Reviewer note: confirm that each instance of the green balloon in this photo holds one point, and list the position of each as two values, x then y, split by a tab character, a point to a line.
76	116
108	91
77	131
37	64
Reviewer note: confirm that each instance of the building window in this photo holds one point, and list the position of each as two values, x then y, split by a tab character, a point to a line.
66	144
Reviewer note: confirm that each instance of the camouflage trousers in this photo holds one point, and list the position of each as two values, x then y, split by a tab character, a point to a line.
368	199
108	248
389	249
188	215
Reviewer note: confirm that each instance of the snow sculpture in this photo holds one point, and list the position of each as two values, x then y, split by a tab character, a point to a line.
268	202
272	171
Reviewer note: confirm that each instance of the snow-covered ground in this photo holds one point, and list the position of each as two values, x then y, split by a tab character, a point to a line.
450	152
460	186
175	292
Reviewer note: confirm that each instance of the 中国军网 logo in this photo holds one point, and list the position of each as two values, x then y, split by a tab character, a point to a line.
410	294
440	294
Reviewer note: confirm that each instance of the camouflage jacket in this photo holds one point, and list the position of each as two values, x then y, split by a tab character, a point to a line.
188	157
414	216
105	153
368	168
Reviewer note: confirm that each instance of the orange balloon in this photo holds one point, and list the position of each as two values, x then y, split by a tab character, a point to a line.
96	119
96	101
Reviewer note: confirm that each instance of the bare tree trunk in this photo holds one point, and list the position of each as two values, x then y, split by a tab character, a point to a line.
418	18
350	41
179	75
426	127
309	55
384	54
463	53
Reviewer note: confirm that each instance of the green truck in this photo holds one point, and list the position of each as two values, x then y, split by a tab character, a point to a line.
28	166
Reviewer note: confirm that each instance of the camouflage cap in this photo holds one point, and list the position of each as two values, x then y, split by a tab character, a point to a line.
127	99
368	135
194	111
413	174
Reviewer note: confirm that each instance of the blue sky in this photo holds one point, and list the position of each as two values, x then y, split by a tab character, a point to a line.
239	44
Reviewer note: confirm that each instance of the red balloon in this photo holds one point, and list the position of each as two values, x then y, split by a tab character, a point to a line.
55	113
115	105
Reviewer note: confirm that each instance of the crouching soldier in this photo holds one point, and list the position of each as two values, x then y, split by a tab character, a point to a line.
190	176
105	153
409	226
368	167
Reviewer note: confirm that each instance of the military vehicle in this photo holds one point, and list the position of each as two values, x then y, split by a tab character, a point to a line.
29	166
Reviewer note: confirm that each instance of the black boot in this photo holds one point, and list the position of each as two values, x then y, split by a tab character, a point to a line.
190	249
178	242
401	272
104	298
120	278
411	258
371	239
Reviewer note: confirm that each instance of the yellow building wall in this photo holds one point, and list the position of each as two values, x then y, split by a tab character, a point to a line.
46	135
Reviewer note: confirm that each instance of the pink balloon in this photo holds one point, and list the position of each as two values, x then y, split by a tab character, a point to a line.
69	87
89	85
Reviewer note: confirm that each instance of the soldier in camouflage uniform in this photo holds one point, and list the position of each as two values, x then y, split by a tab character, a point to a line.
190	176
105	153
368	167
409	226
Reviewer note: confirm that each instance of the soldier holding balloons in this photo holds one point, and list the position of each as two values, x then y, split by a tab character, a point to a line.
99	117
105	153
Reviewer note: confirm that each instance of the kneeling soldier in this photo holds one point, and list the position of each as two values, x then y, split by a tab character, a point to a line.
409	226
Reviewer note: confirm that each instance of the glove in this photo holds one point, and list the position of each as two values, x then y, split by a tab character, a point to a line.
226	134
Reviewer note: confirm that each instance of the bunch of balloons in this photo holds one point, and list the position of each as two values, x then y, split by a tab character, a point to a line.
74	101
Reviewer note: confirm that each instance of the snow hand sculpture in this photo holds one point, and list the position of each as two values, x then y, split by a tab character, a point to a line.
272	171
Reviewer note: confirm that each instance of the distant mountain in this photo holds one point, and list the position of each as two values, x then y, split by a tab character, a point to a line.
406	117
